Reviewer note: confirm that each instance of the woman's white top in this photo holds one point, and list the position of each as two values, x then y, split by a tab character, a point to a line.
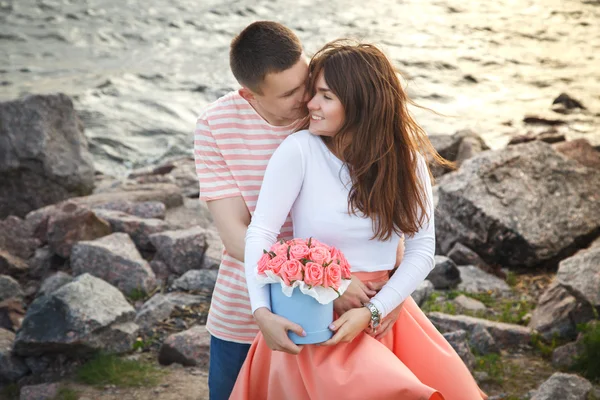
306	178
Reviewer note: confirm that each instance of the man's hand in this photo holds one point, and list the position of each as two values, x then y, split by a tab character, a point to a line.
355	296
274	329
387	324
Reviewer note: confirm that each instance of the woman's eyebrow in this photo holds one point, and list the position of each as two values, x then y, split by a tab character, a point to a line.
323	89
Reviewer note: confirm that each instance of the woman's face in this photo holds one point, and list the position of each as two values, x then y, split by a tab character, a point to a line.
325	109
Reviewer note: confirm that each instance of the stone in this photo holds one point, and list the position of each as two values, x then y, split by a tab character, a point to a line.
42	262
196	280
458	341
12	265
17	238
188	348
505	335
558	313
12	368
564	357
54	282
9	288
157	309
115	259
45	154
145	209
580	274
139	229
444	275
564	387
462	255
180	250
475	280
43	391
422	292
518	207
11	314
82	317
482	341
581	151
72	224
469	303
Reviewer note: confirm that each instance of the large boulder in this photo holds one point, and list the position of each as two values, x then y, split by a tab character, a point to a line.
519	206
189	348
9	288
564	387
444	275
44	155
83	316
115	259
12	368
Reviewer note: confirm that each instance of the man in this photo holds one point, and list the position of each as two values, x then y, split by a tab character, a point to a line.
234	139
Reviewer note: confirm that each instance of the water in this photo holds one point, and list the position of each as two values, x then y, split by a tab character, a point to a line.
140	71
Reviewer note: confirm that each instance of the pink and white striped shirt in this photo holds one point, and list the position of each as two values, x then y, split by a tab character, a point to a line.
232	147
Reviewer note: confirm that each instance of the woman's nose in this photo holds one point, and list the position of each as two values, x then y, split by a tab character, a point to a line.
312	104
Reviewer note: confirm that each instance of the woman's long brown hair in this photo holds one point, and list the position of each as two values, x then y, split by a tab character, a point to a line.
379	140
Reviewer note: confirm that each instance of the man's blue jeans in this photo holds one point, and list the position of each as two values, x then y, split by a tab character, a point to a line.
226	360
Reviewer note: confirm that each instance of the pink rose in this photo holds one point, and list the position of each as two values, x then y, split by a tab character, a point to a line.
291	271
276	263
332	276
296	241
280	249
299	251
319	254
338	257
313	274
263	263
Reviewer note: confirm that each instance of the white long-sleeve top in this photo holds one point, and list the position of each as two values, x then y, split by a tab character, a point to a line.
306	178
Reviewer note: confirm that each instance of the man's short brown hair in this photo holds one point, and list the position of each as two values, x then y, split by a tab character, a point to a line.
263	47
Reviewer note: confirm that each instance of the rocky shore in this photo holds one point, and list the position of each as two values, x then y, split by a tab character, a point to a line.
92	263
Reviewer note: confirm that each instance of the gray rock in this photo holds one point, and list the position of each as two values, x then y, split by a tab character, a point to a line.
157	309
580	274
160	269
115	259
458	341
189	348
181	250
564	357
470	145
196	280
470	304
558	313
12	265
422	292
475	280
9	288
564	387
444	275
518	206
41	263
146	209
482	341
43	391
45	157
505	335
17	238
71	224
139	229
186	299
12	368
83	316
54	282
462	255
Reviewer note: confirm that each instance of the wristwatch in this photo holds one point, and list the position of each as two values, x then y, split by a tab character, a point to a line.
375	315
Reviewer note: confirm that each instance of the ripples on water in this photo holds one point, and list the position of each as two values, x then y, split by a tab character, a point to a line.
140	71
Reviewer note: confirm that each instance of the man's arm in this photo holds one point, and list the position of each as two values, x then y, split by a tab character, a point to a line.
231	217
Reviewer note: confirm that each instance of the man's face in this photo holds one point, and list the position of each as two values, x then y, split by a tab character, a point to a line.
283	94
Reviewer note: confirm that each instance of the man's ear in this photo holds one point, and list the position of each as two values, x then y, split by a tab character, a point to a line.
246	94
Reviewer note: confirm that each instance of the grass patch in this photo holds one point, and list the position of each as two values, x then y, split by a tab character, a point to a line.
492	365
512	279
10	392
137	294
65	393
588	362
542	347
109	369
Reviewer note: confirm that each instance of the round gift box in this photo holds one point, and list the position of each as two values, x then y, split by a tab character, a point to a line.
305	311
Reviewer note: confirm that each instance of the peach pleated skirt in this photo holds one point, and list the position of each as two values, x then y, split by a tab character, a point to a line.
412	362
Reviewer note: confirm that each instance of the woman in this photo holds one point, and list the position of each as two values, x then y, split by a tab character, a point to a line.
357	179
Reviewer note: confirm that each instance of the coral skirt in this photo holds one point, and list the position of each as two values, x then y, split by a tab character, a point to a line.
412	362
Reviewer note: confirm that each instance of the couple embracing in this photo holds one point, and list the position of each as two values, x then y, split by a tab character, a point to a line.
324	149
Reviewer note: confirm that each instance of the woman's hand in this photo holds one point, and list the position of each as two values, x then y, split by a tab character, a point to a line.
275	328
355	296
386	325
349	325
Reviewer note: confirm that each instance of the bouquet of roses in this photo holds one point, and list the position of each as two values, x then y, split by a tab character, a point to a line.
316	269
